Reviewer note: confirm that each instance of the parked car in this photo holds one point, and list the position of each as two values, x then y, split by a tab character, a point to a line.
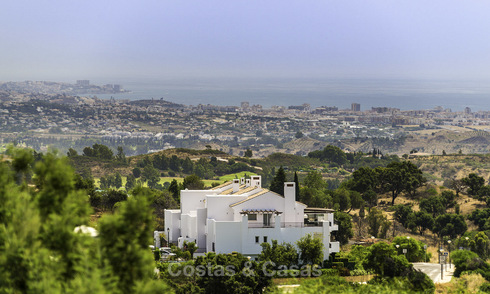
166	253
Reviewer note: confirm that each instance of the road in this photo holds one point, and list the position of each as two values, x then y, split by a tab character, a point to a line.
433	270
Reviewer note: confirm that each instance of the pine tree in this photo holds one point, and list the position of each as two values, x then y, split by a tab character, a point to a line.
277	184
296	181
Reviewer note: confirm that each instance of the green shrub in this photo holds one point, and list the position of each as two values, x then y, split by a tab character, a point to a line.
421	282
485	287
359	272
329	272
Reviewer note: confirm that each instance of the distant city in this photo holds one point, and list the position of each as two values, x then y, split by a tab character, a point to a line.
61	115
44	87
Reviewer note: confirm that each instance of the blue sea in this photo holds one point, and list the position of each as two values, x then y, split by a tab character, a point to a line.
397	93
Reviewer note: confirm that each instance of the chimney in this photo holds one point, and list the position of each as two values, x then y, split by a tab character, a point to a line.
256	181
289	201
235	185
242	181
247	183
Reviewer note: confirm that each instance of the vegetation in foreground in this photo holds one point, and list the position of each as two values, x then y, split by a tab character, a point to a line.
43	245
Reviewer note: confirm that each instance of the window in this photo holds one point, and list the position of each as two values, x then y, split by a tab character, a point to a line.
213	247
265	238
257	239
267	219
252	217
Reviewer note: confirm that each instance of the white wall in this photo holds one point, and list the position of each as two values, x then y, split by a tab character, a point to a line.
268	200
172	222
193	199
299	212
201	227
211	234
219	206
228	237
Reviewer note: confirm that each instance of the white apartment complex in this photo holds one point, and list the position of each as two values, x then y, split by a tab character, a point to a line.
240	215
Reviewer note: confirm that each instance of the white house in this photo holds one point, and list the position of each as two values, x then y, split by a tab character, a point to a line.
240	215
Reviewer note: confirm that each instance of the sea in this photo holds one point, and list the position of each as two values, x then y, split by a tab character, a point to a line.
405	94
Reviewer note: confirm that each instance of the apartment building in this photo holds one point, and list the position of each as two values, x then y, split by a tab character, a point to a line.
240	215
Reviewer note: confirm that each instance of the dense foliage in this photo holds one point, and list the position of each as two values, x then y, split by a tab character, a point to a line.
42	245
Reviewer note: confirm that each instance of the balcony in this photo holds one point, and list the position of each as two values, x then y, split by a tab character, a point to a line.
286	225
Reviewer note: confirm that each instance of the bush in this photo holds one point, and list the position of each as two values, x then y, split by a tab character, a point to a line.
329	272
359	272
485	287
468	261
421	282
156	254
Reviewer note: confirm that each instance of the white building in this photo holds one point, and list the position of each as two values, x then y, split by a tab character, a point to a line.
240	215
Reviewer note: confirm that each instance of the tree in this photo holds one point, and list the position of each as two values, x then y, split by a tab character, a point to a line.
174	189
299	135
402	213
136	172
71	152
130	182
118	180
384	261
423	221
217	278
191	247
378	223
314	180
280	254
277	183
474	183
121	156
87	151
297	189
248	153
187	166
193	182
457	185
131	225
415	249
467	261
393	181
315	198
341	199
345	232
370	198
151	175
434	205
330	153
43	248
479	217
451	225
174	163
22	161
364	179
99	151
398	177
311	250
480	245
448	198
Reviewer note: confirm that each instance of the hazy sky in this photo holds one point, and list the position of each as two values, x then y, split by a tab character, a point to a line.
68	40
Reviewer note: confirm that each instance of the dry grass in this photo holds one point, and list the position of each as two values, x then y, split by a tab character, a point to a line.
359	279
465	284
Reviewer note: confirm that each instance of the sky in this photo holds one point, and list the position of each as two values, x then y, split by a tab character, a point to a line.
65	40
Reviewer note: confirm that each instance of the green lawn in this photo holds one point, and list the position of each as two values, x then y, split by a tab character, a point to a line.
230	177
207	183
